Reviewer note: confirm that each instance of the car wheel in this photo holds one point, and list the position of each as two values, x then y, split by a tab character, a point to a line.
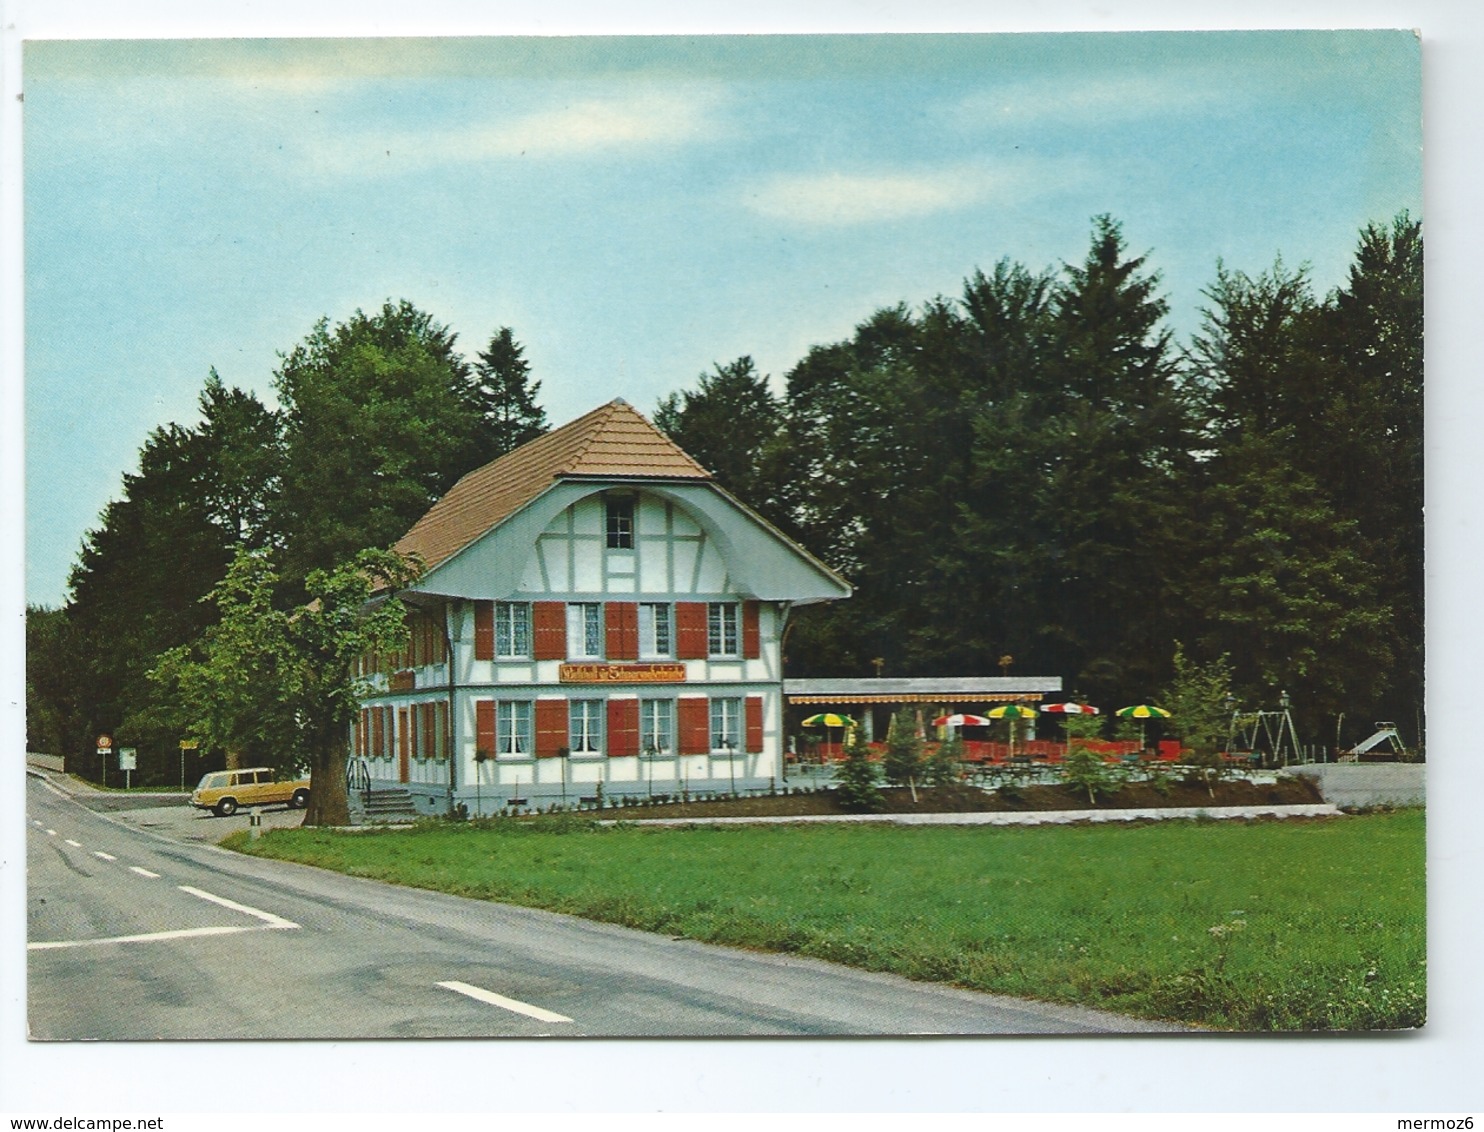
300	799
226	807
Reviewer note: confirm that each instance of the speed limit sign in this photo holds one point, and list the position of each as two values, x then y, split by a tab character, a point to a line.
105	744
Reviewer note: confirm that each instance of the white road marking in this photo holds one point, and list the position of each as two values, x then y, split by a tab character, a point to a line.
74	844
105	856
147	937
144	872
267	917
36	823
505	1003
51	833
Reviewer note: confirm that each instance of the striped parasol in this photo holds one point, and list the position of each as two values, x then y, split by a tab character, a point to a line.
1070	709
1012	711
961	719
1143	713
829	719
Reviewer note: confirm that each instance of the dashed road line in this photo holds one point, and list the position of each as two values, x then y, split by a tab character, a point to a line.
105	856
267	917
51	833
74	844
144	872
504	1003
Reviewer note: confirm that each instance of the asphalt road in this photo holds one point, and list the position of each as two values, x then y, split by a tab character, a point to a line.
136	934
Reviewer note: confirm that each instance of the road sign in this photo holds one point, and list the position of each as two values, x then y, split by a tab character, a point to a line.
105	744
189	744
126	758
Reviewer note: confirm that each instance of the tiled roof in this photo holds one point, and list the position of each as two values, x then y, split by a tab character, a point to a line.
612	440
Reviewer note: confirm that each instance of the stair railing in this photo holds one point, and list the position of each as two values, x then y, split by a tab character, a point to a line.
358	777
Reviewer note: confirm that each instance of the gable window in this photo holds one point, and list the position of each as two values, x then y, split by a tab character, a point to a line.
722	632
513	727
654	629
657	727
512	628
584	629
726	724
585	726
619	511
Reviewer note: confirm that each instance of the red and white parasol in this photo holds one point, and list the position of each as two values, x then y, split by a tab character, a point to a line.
961	720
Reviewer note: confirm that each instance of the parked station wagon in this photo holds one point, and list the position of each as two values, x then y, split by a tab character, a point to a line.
225	791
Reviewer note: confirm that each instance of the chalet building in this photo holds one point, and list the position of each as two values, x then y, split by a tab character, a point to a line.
595	609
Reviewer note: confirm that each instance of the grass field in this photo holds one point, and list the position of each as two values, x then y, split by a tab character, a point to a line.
1283	925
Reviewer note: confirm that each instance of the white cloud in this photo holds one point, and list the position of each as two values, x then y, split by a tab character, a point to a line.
654	118
571	129
1091	100
841	199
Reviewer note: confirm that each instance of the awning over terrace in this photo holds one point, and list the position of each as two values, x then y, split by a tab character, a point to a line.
945	690
860	695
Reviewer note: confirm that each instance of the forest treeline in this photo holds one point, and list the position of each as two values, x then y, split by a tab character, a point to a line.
1034	476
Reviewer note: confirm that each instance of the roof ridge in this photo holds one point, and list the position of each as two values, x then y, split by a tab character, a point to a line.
592	435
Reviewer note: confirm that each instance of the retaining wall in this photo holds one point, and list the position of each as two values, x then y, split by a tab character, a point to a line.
1368	784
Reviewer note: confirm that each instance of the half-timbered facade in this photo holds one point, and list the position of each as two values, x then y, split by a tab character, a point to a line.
595	609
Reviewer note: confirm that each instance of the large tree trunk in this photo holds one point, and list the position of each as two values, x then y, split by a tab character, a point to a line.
329	804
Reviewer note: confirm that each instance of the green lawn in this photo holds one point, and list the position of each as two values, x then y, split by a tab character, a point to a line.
1256	926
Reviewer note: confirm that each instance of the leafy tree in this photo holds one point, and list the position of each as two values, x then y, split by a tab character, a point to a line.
1199	699
55	723
903	760
731	425
381	415
855	777
505	396
281	684
1285	586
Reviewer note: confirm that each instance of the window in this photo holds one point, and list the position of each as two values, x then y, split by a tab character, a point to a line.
513	727
722	633
620	521
585	727
584	629
512	628
726	725
657	727
654	629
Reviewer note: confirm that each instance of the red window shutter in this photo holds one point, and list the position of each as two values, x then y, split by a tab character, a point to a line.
754	725
752	646
484	726
430	732
375	745
484	630
695	725
623	727
551	727
621	626
690	631
549	629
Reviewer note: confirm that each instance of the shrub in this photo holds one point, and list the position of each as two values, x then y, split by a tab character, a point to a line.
903	763
855	778
1085	769
943	765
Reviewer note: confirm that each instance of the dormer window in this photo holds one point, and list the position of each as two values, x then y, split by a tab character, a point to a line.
620	521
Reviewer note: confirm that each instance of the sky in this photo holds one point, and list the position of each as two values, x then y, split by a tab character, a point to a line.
638	209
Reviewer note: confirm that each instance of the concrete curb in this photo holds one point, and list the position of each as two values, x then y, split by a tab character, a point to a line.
1045	817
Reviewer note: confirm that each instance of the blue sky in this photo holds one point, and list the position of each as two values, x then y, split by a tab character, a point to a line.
637	209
